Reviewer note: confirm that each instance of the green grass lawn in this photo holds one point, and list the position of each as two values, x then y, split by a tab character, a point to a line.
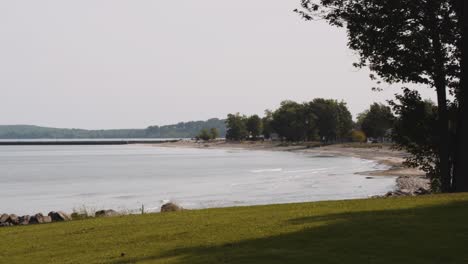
430	229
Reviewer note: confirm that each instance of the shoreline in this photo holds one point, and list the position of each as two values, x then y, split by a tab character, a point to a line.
409	181
381	154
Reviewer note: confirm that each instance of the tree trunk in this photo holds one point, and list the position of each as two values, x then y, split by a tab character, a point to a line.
439	77
461	159
444	138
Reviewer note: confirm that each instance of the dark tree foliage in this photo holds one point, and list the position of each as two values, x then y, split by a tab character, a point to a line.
408	42
345	122
396	39
323	119
292	122
254	126
414	132
236	127
326	118
376	121
332	119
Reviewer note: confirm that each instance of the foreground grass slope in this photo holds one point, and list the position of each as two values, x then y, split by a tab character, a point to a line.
431	229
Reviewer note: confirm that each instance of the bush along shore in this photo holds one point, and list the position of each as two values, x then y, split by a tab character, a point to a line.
60	216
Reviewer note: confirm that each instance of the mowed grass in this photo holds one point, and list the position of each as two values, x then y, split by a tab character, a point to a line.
430	229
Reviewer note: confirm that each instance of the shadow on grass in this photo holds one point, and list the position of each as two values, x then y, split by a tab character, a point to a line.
437	234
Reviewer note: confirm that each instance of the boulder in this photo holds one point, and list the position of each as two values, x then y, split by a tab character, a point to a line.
13	219
24	220
37	219
59	216
170	207
33	220
106	213
4	218
47	219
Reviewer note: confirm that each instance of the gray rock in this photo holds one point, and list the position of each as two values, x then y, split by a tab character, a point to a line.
106	213
14	219
36	219
24	220
59	216
46	219
170	207
4	218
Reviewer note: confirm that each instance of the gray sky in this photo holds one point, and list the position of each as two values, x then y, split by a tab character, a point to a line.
135	63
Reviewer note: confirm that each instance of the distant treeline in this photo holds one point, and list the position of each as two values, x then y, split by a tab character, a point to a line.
325	120
180	130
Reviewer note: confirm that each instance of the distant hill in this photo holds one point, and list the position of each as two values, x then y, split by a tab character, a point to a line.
180	130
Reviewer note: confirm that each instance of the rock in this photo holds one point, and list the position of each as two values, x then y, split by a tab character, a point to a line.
14	219
405	191
33	220
59	216
106	213
37	219
4	218
170	207
5	224
24	220
47	219
422	191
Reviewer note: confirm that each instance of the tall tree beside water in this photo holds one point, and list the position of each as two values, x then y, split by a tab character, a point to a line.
419	42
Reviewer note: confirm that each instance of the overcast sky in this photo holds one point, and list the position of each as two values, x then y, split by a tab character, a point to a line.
135	63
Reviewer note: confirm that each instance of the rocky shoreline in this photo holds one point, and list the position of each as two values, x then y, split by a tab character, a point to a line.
60	216
13	220
410	186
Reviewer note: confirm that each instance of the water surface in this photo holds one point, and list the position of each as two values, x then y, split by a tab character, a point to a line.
44	178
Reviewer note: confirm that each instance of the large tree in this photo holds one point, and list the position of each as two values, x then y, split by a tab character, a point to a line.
376	121
236	128
333	119
293	122
254	126
461	154
409	41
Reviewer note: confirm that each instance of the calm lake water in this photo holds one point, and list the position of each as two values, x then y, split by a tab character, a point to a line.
44	178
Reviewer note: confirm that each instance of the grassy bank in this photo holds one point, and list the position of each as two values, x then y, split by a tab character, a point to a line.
431	229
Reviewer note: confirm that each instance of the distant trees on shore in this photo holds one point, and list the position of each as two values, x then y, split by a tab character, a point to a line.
376	121
206	134
323	120
179	130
